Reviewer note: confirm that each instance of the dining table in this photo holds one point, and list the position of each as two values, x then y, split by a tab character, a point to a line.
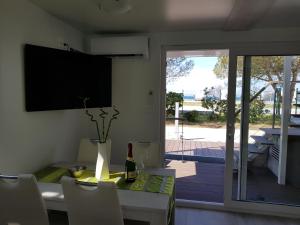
153	205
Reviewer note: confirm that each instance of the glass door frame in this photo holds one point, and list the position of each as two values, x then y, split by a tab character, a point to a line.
244	129
250	49
235	50
164	50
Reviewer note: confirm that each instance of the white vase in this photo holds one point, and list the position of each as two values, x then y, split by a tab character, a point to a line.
103	160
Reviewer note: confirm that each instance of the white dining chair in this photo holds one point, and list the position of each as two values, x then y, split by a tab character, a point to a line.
92	205
146	154
21	202
87	151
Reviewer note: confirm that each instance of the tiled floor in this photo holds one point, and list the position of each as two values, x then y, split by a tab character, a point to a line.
186	216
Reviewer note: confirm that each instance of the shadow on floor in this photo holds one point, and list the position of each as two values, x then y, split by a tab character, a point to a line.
61	218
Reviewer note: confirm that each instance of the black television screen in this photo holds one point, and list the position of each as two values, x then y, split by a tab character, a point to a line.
57	79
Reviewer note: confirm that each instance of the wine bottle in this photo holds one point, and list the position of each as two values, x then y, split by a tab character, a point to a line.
130	166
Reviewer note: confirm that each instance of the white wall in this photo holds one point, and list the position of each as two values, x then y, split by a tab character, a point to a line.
30	140
132	81
134	78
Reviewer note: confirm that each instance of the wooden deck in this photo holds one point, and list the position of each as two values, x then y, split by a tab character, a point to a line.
198	181
205	182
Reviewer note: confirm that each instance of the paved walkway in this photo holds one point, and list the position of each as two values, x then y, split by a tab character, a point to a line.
200	144
204	133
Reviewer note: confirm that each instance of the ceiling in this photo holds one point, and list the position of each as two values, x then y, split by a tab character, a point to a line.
176	15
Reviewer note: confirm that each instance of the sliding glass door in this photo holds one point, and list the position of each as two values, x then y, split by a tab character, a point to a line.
262	161
266	140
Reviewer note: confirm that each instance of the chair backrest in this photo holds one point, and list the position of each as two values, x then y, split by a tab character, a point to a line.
92	205
21	201
146	152
87	151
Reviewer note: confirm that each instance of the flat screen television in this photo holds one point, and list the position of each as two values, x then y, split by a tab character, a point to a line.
58	79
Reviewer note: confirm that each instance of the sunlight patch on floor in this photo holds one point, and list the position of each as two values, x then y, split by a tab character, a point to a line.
183	169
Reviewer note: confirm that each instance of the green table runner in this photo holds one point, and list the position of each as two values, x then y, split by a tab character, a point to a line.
51	174
144	182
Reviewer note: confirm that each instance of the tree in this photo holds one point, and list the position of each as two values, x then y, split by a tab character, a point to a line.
178	67
171	99
211	102
264	68
256	110
219	106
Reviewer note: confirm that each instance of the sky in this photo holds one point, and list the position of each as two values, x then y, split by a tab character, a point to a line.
200	77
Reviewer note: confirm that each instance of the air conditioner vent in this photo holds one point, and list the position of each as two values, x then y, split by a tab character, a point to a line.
130	46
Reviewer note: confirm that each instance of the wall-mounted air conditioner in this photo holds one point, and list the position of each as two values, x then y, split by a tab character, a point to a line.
136	46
